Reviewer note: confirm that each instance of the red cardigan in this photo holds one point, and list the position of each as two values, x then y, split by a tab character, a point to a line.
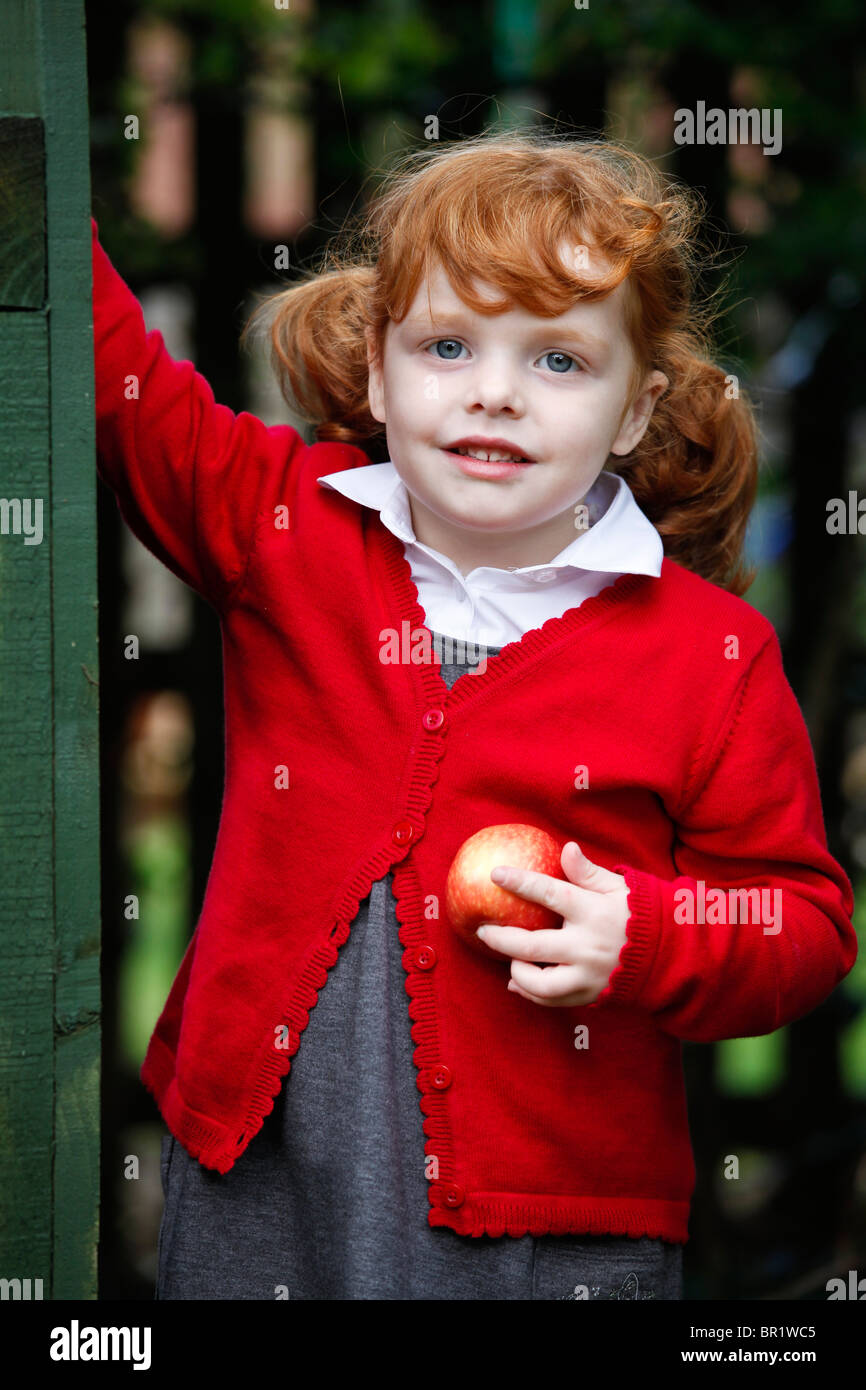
340	766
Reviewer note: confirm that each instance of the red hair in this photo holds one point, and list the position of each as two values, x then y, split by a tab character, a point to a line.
499	208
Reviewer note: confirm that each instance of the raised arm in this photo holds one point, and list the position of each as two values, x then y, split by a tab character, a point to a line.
756	823
188	473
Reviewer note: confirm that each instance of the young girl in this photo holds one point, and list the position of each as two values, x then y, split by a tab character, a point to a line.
361	1104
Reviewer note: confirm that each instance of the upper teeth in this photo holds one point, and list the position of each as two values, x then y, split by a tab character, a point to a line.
489	455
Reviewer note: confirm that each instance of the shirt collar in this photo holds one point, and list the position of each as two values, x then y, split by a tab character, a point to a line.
620	539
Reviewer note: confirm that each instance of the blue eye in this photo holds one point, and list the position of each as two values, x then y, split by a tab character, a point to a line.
449	342
562	357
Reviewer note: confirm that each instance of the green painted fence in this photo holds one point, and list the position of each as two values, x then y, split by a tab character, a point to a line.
49	752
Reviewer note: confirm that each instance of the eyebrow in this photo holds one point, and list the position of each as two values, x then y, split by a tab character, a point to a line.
560	331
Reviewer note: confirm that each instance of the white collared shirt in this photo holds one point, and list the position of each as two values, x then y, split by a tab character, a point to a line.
494	606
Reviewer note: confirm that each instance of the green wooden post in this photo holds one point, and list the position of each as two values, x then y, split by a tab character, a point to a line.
49	751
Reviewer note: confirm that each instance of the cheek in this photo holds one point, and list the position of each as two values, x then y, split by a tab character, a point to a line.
403	387
589	420
416	402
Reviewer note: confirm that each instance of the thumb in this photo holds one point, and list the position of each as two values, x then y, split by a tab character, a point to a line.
583	873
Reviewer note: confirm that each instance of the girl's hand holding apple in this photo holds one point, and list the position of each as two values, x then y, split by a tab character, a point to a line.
584	950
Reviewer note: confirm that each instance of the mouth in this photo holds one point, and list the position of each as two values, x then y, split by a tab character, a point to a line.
488	464
488	450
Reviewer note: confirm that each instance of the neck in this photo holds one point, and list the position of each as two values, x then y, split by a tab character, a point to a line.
469	550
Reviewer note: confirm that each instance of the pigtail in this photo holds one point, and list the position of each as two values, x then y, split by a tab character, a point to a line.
318	351
695	472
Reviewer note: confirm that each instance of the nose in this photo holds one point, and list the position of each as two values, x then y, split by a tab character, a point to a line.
494	389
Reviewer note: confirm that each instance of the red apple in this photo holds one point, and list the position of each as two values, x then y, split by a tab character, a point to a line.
471	896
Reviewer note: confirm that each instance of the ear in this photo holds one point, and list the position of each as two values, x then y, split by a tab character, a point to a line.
375	379
636	419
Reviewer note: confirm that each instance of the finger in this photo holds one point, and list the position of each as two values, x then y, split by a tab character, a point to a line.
514	988
533	998
582	873
559	896
566	1001
548	984
551	944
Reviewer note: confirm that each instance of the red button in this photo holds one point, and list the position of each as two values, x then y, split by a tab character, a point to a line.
433	719
441	1077
454	1196
425	957
402	832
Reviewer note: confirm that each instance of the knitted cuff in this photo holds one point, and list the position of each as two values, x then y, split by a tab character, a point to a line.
643	931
